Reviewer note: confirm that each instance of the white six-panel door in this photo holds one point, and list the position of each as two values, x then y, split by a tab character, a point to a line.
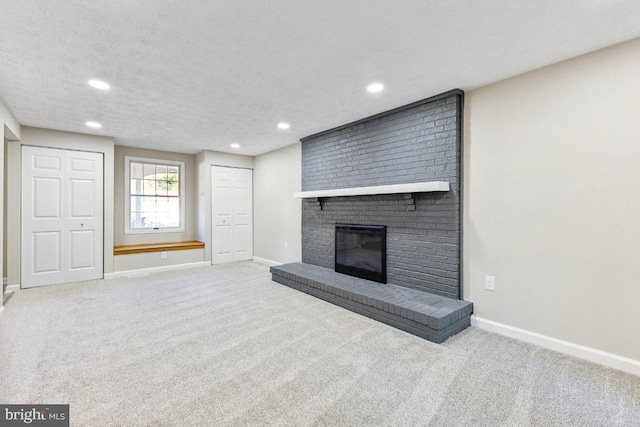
232	214
62	216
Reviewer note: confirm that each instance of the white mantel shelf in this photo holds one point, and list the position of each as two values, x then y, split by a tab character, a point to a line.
416	187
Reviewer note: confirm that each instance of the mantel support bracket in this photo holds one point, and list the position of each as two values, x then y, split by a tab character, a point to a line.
318	202
410	201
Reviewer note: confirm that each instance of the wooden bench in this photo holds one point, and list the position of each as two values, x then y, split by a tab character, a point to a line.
157	247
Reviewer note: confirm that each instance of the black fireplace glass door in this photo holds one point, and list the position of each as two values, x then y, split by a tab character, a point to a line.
361	251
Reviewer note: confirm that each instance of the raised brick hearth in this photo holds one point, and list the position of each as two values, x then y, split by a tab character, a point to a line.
426	315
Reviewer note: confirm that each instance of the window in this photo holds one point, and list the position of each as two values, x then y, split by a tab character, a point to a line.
154	196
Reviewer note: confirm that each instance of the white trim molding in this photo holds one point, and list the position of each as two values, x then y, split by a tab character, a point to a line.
145	271
265	261
12	288
1	310
586	353
416	187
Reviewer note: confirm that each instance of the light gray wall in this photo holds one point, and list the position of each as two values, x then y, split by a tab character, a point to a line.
277	175
191	229
204	161
552	200
63	140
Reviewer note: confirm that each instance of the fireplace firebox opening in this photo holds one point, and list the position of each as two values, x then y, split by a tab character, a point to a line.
361	251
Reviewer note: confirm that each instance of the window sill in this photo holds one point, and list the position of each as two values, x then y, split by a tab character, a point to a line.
155	231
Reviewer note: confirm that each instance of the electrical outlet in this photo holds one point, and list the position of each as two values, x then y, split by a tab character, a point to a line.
490	283
286	245
163	255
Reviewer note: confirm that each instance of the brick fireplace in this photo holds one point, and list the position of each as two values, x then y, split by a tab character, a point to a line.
417	143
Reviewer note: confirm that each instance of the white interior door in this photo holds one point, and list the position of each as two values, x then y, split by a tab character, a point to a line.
42	217
84	228
62	216
232	214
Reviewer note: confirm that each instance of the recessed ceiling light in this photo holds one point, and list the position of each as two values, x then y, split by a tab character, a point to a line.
235	145
99	84
375	87
93	124
283	125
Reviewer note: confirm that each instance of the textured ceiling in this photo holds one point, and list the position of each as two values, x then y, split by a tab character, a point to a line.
193	75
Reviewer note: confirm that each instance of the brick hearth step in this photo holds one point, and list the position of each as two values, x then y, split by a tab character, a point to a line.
429	316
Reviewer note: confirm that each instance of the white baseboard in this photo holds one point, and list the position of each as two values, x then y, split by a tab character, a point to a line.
266	261
12	288
587	353
144	271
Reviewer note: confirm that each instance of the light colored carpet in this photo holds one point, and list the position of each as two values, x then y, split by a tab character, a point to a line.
227	346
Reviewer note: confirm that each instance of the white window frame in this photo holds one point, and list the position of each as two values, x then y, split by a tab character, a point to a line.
127	196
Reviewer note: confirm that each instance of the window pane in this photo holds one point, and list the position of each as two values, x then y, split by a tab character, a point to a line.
161	171
149	219
173	219
149	204
149	187
136	204
173	170
173	204
143	219
161	204
161	187
136	220
149	171
173	189
135	170
136	186
152	219
162	220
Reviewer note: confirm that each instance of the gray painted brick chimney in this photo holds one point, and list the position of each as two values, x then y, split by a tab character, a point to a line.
416	143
